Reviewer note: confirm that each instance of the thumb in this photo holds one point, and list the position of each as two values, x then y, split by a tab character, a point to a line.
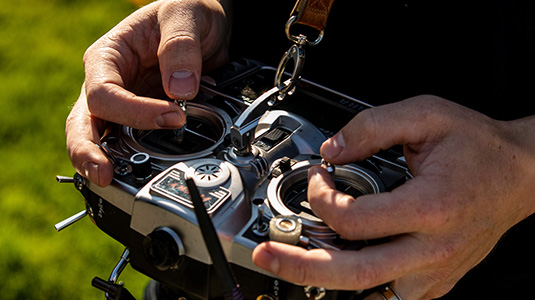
179	52
410	122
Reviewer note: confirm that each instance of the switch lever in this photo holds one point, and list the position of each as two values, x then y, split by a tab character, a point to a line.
69	221
78	183
64	179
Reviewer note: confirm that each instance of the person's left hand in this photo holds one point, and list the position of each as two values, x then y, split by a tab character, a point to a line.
473	180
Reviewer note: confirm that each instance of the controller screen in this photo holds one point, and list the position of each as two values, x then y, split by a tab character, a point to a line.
173	186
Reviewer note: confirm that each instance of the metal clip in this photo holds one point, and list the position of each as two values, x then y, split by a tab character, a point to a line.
301	39
328	166
297	54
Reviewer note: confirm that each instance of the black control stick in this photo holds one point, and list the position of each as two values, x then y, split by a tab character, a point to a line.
113	291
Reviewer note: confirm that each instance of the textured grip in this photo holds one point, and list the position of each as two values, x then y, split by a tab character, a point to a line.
285	229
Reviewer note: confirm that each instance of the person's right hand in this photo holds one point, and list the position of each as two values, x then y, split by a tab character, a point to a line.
161	49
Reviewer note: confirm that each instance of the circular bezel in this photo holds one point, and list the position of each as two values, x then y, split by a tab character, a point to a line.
364	180
135	158
209	173
214	116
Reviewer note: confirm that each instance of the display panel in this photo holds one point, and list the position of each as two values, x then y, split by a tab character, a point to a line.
173	186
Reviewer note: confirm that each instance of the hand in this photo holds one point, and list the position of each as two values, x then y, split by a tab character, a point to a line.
473	180
159	50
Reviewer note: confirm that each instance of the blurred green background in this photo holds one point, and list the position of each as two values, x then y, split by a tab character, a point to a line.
41	47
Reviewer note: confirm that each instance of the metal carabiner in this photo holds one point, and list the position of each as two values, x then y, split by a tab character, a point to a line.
301	39
297	54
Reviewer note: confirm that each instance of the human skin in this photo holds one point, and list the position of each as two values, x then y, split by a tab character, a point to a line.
472	175
158	51
473	180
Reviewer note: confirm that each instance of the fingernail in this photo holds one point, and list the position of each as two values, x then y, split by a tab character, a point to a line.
267	261
170	119
182	83
333	146
90	171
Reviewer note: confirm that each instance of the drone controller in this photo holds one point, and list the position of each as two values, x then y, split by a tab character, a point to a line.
248	156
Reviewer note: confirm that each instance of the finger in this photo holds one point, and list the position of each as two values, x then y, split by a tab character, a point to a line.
189	36
179	52
366	217
82	136
111	102
406	122
393	263
122	61
346	270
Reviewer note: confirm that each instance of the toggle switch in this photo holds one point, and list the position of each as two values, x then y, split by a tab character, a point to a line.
69	221
79	182
261	227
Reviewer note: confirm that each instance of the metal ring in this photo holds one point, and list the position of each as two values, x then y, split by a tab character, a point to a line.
297	54
388	293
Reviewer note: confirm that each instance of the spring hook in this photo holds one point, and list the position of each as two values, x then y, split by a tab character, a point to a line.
296	53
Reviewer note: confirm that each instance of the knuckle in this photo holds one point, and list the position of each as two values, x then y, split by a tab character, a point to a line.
348	221
336	216
440	213
443	253
299	272
365	277
70	121
78	155
95	93
319	193
367	120
183	37
73	150
432	110
434	217
88	54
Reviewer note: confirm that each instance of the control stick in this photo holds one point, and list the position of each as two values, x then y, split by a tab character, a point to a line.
242	132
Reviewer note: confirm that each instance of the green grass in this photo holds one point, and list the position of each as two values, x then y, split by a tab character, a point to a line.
41	71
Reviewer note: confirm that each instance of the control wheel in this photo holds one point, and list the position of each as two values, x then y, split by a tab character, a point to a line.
163	249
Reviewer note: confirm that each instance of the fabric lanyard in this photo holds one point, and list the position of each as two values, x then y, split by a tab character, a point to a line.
310	13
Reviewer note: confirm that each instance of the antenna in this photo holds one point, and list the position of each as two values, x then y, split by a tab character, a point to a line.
231	289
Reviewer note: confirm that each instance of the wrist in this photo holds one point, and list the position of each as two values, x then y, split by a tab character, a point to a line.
520	134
